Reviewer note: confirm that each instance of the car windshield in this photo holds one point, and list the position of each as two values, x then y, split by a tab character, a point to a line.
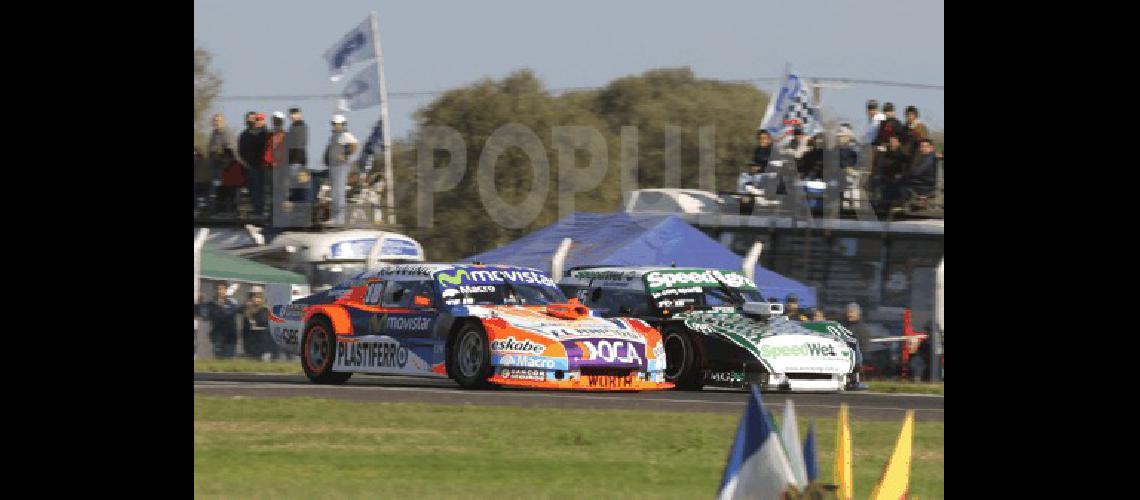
498	294
700	298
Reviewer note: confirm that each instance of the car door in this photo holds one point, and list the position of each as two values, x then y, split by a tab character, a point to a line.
409	318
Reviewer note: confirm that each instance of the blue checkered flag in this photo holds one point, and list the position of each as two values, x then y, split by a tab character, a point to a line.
791	109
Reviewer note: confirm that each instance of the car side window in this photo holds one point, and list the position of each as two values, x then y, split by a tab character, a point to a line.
399	294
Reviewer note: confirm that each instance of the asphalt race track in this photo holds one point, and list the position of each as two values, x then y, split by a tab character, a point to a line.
396	389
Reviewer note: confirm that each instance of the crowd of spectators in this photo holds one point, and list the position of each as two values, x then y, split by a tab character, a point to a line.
270	165
902	159
225	318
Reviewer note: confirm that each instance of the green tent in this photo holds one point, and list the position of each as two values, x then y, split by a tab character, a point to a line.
222	266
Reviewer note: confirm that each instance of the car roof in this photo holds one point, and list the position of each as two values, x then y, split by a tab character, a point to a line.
412	272
622	276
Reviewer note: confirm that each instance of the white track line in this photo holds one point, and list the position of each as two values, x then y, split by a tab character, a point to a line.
256	385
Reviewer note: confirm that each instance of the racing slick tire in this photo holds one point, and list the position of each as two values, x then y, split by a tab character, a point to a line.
469	357
318	348
686	373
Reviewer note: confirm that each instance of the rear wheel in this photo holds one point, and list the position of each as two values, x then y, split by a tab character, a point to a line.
682	362
318	347
469	359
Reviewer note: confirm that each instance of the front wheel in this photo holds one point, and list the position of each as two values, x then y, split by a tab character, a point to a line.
318	347
682	362
469	358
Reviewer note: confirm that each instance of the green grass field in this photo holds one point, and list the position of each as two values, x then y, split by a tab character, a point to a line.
294	367
304	447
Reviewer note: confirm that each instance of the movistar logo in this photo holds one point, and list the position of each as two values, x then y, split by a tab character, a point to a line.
452	279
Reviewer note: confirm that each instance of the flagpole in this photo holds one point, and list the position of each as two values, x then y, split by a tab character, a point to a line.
389	180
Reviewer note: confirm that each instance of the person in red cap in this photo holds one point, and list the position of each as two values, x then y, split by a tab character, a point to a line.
251	153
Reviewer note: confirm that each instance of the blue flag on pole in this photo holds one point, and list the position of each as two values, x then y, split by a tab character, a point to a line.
757	465
809	454
353	47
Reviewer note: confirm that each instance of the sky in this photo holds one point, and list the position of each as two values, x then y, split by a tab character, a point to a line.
276	47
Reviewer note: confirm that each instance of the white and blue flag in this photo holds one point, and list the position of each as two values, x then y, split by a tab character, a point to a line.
757	464
792	108
356	46
362	91
790	436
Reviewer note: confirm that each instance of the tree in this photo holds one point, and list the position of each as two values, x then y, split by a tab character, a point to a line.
207	85
651	102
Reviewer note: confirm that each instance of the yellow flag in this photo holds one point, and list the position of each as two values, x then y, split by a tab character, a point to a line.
843	476
896	474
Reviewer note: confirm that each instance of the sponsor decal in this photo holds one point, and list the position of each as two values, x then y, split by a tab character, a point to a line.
603	275
452	279
511	346
734	377
522	374
406	323
371	355
805	349
528	362
608	381
476	289
530	277
657	280
581	333
406	270
450	292
284	335
609	351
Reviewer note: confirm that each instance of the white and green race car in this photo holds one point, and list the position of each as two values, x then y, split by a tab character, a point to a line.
718	330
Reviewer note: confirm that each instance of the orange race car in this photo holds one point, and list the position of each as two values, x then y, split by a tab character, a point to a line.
480	325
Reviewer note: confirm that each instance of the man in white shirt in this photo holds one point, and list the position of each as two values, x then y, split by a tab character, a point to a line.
874	118
341	147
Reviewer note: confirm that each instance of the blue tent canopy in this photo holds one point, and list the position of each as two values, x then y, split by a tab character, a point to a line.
635	240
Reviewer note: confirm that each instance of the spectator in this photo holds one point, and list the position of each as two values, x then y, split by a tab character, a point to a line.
920	179
255	339
220	140
890	167
810	165
340	148
915	131
763	151
223	328
848	154
202	180
817	314
890	127
251	153
233	178
297	141
861	344
275	158
797	146
792	308
874	118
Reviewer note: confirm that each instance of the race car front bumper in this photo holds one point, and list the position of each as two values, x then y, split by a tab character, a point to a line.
556	379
